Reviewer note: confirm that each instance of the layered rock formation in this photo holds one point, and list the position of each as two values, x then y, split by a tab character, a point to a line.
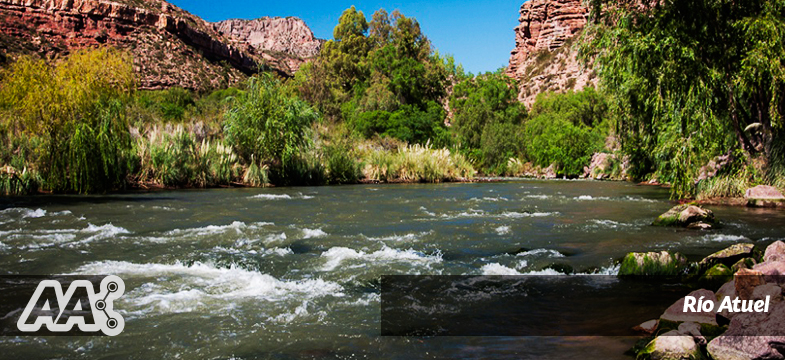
545	54
171	47
274	36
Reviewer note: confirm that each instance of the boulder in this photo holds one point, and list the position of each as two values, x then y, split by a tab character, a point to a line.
653	263
746	263
675	313
764	196
752	336
775	252
685	215
671	346
718	270
773	271
774	291
746	281
728	256
727	290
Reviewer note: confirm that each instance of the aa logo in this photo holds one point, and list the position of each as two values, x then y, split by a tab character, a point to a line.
79	306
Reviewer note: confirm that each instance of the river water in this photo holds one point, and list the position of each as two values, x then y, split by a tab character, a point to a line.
292	273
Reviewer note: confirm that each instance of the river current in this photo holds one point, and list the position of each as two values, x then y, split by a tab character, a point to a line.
292	273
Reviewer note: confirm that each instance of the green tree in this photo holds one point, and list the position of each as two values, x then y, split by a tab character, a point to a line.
77	107
268	125
486	99
692	80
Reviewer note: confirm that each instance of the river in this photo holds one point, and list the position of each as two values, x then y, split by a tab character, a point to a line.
292	273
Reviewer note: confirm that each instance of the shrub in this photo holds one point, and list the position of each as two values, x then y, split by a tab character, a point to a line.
552	140
268	125
77	107
342	168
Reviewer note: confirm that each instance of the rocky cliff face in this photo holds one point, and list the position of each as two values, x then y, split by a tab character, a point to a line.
545	54
273	36
171	47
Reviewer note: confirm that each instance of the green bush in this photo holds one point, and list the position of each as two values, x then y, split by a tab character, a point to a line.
566	130
408	123
342	168
499	143
77	109
268	125
552	140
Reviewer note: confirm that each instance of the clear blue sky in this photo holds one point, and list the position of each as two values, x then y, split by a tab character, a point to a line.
478	33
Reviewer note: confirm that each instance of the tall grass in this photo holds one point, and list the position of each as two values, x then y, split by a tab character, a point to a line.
416	163
173	157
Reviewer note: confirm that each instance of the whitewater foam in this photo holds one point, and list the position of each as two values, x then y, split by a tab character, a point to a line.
336	255
498	269
237	226
313	233
503	230
25	212
549	252
185	288
281	196
515	215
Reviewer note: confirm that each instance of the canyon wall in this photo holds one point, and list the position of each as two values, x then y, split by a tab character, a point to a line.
171	47
545	54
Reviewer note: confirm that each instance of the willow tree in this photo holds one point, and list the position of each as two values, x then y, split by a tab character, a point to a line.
76	107
692	80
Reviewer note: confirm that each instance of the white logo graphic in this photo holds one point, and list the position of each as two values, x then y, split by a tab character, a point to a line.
79	306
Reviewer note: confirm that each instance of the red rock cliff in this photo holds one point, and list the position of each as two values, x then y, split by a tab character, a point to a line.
545	56
171	47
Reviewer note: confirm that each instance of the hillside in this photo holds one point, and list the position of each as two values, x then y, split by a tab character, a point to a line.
171	47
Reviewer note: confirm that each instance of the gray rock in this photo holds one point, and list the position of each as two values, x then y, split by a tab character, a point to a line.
752	336
684	215
773	271
671	346
728	256
772	290
694	330
648	327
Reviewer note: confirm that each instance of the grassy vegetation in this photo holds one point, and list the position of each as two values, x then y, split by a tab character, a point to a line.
374	107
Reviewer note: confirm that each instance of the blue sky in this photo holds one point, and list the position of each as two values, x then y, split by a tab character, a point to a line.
478	33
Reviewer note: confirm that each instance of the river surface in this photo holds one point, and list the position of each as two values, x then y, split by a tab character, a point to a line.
292	273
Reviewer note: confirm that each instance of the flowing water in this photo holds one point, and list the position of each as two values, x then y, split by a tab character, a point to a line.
292	273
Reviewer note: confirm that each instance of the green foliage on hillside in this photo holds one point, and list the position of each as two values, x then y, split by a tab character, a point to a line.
487	117
692	80
566	129
382	77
